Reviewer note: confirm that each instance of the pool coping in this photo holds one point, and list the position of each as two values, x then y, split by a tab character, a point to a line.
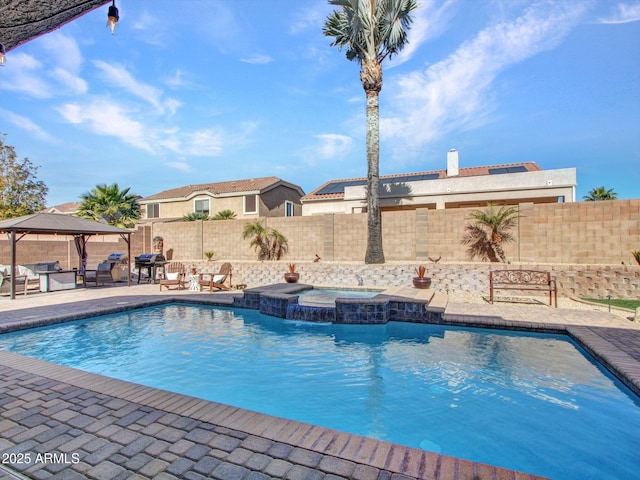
357	450
381	456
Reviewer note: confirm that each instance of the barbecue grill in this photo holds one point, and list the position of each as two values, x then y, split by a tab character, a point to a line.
118	264
149	262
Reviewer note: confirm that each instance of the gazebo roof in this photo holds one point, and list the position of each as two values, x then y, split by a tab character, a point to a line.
55	223
24	20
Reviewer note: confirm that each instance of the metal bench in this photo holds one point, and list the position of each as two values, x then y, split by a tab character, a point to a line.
531	280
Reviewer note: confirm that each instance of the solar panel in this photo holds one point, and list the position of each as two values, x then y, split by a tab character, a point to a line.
499	170
339	186
410	178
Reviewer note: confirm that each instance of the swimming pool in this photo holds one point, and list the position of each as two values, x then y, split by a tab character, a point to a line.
327	296
523	401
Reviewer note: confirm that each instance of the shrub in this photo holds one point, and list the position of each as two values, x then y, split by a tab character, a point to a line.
224	215
193	216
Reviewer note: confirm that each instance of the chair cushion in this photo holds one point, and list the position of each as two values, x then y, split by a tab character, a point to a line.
218	278
172	275
31	275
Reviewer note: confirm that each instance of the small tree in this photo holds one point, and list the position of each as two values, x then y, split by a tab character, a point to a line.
600	193
20	192
224	215
270	244
490	230
110	204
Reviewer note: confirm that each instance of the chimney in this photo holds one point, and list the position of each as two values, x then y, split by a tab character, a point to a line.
452	163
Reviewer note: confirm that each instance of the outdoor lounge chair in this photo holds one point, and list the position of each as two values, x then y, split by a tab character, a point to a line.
217	280
173	275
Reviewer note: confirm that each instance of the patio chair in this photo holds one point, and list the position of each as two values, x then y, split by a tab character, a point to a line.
5	284
217	280
173	275
100	275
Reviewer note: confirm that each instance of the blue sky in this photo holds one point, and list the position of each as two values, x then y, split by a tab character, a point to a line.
200	91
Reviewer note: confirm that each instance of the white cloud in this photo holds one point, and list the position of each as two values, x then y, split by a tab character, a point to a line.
456	92
23	74
177	80
64	54
204	143
103	116
183	166
75	85
624	13
332	145
63	50
118	76
26	124
310	18
430	20
257	59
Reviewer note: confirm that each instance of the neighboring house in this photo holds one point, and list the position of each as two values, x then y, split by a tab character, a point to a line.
251	198
69	208
454	187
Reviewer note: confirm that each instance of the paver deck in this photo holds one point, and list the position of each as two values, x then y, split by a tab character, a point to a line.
58	422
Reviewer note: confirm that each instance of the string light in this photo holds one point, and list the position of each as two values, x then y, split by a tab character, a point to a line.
112	17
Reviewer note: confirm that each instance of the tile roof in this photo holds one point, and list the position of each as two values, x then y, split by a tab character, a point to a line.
462	172
68	207
218	188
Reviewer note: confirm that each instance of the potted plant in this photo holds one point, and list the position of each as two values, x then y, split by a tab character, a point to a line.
421	281
209	255
291	276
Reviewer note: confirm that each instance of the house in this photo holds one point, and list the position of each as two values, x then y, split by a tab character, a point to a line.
69	208
250	198
454	187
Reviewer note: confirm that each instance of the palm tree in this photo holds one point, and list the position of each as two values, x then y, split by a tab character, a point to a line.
270	244
490	230
371	30
107	203
193	216
600	193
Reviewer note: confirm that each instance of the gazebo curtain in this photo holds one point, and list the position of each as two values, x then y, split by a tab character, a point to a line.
81	247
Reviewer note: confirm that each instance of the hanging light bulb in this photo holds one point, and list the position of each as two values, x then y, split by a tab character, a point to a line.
113	17
2	52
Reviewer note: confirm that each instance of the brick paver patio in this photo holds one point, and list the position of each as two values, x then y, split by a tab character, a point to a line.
61	423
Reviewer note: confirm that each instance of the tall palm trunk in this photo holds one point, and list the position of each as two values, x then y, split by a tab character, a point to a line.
371	77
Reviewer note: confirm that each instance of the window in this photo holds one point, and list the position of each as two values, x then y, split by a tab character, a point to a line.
153	210
251	204
288	208
201	206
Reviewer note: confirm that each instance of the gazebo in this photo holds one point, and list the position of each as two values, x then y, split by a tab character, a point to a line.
24	20
57	224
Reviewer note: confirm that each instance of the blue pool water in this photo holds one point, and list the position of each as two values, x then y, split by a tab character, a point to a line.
327	296
523	401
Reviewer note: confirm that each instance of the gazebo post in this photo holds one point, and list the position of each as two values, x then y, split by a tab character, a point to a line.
13	265
128	259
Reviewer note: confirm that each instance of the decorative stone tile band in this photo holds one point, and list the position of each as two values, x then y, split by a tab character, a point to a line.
281	301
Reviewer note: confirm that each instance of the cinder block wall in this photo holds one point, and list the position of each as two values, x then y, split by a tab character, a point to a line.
587	246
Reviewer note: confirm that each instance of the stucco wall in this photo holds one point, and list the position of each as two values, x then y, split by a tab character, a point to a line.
271	203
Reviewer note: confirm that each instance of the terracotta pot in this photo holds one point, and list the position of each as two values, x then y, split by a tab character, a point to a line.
291	277
422	282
